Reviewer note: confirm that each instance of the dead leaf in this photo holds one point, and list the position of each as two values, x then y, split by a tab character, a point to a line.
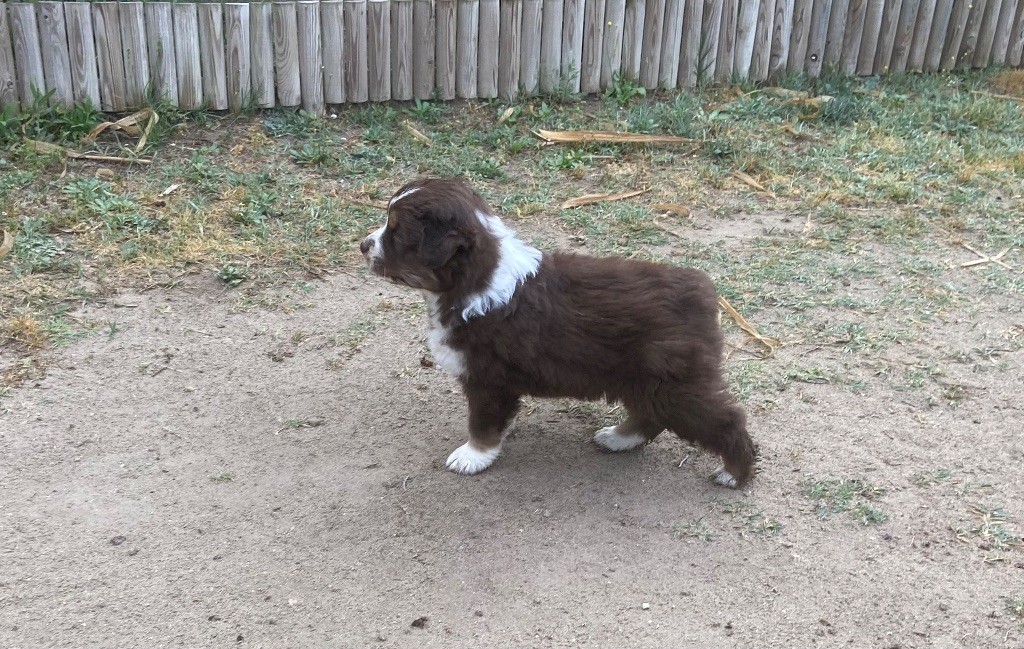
48	148
785	93
674	208
509	112
610	136
7	245
744	324
420	137
590	199
131	124
751	182
170	190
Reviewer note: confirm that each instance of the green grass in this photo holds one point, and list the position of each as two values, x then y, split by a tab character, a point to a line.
872	197
855	497
697	530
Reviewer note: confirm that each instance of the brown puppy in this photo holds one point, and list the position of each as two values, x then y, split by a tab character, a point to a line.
508	321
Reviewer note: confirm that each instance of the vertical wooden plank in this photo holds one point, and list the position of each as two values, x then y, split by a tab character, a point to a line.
922	28
423	47
633	19
836	32
572	43
476	71
1015	50
237	59
285	29
356	70
650	52
746	32
802	10
676	11
763	41
8	73
401	50
107	30
782	33
710	35
593	42
904	36
820	14
886	36
611	43
487	61
186	54
509	52
692	58
135	52
857	12
970	40
261	54
987	34
311	65
332	35
869	41
160	36
28	62
1004	24
937	34
445	52
378	44
727	41
85	80
211	56
551	45
954	34
529	65
54	47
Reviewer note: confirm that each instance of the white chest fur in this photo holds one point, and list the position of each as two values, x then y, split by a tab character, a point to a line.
450	360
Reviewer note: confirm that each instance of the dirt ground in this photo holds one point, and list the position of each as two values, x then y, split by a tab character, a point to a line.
199	475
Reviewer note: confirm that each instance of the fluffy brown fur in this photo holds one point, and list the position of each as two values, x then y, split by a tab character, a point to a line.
646	335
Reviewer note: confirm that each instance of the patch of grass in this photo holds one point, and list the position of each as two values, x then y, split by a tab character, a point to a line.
754	520
232	274
1015	607
939	476
994	531
223	477
837	496
693	530
623	90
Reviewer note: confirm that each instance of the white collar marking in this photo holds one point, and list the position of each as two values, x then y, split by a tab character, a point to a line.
517	261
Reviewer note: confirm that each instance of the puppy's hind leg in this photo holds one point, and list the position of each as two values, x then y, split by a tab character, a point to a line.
719	425
490	411
635	431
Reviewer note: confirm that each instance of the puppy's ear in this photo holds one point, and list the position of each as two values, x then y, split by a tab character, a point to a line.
440	245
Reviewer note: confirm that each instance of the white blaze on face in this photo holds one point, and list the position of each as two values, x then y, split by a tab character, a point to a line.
408	192
376	250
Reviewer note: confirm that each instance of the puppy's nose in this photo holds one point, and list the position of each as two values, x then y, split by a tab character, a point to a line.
364	245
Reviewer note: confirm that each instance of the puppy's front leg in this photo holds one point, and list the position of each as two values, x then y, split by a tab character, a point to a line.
490	411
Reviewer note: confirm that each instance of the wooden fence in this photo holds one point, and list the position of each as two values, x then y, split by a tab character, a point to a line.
314	53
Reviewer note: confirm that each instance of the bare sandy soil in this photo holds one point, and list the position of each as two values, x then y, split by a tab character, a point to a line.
204	476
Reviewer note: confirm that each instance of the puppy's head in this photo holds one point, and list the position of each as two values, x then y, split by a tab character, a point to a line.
433	238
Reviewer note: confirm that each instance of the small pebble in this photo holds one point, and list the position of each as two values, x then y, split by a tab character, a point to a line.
645	606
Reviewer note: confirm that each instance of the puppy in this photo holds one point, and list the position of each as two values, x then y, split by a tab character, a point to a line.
507	321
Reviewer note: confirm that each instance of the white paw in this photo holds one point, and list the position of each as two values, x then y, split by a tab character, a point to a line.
467	460
725	479
610	439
